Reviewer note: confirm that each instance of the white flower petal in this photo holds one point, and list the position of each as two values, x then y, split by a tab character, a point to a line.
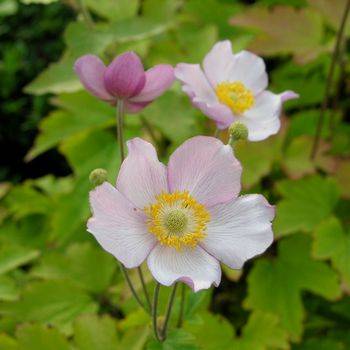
118	226
219	62
239	230
195	84
142	176
192	266
250	70
262	120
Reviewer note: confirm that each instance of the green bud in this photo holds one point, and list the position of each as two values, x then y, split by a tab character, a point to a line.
238	131
98	176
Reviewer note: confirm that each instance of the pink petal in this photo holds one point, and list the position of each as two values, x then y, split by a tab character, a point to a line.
288	95
218	112
125	76
192	266
239	230
90	70
263	119
142	176
132	108
206	168
119	227
158	80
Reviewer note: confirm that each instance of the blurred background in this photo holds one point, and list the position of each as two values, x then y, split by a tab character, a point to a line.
58	288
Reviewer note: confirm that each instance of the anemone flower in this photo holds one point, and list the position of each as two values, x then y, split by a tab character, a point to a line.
124	79
184	219
232	87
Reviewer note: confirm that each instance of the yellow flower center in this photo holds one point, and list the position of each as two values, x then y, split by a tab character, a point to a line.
235	95
177	219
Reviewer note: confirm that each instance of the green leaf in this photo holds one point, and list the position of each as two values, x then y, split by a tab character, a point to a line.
305	203
320	344
262	332
135	339
159	10
276	286
332	242
296	161
88	151
115	11
18	198
307	80
92	332
80	112
70	213
78	266
8	7
49	302
196	43
176	340
8	289
342	175
211	331
172	106
7	343
257	158
39	337
13	256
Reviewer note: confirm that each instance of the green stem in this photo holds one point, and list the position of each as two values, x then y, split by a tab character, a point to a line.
217	133
182	306
120	131
120	135
329	82
154	312
131	286
168	311
144	287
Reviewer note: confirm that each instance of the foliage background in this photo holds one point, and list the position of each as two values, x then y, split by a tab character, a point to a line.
58	289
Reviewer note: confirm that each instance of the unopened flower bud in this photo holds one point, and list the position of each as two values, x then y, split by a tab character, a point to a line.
238	131
98	176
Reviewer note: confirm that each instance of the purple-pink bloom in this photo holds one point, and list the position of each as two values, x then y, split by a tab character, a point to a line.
232	87
124	79
184	218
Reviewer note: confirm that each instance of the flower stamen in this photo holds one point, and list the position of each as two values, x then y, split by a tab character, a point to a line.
177	219
235	95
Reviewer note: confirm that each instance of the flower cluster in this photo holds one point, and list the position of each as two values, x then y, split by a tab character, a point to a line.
185	218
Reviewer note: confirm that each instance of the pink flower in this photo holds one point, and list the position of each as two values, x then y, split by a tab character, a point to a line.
124	79
232	87
184	219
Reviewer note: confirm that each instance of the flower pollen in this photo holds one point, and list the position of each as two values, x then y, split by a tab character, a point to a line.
235	95
177	219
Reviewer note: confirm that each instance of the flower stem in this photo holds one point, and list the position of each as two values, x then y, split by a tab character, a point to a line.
131	286
144	287
182	306
154	312
120	131
168	311
120	135
329	81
